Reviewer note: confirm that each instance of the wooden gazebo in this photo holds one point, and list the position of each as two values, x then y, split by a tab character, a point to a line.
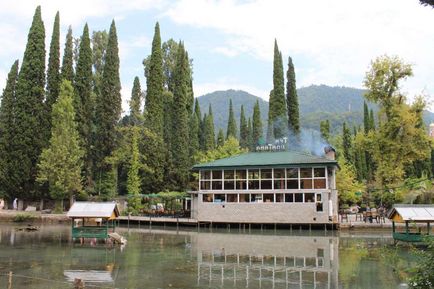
92	219
412	214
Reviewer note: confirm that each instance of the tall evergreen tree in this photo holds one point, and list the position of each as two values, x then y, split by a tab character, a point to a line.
154	84
60	163
244	133
7	119
210	129
346	143
136	101
220	138
53	72
194	144
83	100
30	113
232	125
108	107
250	135
292	101
371	120
257	130
366	119
278	118
199	117
325	129
180	120
67	61
133	181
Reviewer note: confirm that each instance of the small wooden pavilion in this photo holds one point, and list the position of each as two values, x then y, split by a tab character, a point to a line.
411	214
92	219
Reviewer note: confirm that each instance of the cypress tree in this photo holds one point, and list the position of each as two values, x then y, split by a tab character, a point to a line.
371	120
108	106
83	99
232	125
30	112
257	129
366	119
194	144
60	163
244	133
199	117
67	61
180	120
133	181
325	129
154	84
136	102
346	143
7	117
250	135
210	128
292	101
220	138
204	130
53	73
277	117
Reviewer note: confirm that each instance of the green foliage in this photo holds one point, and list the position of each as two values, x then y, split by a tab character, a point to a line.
292	101
244	132
347	143
23	217
423	277
67	61
60	164
29	113
220	138
347	184
208	131
324	128
194	144
154	85
7	132
133	182
53	73
257	130
231	147
231	130
277	113
180	119
249	134
136	102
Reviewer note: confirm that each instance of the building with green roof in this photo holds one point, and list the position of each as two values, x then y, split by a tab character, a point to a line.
283	187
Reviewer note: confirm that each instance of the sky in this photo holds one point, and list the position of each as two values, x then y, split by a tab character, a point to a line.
231	42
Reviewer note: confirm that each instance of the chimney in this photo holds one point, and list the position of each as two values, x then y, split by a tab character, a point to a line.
330	152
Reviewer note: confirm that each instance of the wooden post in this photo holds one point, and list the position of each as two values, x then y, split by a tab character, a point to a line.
10	280
406	227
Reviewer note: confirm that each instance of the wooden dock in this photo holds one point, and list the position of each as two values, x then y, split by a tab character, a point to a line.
149	220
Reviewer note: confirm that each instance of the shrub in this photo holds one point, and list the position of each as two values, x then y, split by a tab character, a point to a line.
19	218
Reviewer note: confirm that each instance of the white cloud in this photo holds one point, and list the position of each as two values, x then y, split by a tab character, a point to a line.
339	38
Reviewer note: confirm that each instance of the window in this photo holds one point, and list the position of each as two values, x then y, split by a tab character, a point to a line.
256	198
306	178
216	175
266	179
309	198
269	198
205	180
229	180
207	198
319	178
244	198
216	185
319	206
232	198
279	198
279	179
289	198
219	198
253	179
298	198
241	182
292	179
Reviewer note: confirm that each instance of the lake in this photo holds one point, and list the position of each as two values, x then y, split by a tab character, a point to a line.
167	258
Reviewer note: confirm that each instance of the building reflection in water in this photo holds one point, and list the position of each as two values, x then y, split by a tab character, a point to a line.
265	261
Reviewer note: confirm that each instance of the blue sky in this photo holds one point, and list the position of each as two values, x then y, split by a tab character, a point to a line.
231	42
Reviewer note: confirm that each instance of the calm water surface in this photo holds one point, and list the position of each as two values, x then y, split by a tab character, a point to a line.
189	259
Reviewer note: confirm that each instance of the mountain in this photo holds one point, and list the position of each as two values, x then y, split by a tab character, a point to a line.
317	102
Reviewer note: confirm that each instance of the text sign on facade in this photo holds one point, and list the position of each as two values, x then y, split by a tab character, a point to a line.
278	145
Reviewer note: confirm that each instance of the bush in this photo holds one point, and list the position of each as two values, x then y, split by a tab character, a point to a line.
423	277
20	218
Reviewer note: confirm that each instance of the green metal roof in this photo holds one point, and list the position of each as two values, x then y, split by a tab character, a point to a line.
267	159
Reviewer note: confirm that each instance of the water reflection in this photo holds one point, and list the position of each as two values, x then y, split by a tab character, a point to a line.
160	258
266	261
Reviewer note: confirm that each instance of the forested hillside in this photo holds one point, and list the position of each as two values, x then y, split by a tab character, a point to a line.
317	102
